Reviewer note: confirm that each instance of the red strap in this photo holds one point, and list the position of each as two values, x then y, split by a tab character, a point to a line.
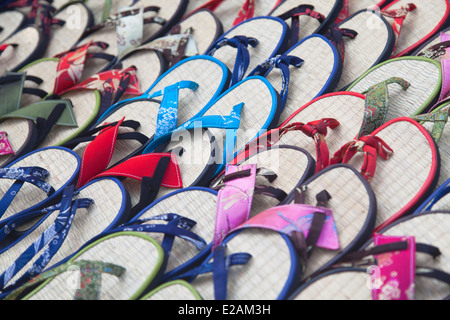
371	146
210	5
142	166
97	156
247	11
4	46
399	16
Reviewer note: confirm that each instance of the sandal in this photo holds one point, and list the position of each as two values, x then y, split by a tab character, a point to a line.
11	21
402	262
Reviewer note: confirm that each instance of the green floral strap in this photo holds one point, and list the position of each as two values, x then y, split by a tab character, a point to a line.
377	104
89	278
440	119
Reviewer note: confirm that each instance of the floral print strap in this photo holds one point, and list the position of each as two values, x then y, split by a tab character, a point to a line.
439	118
377	104
89	283
394	278
5	145
371	146
399	16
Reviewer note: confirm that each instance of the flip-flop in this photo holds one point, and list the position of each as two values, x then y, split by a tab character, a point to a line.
390	149
41	239
249	44
118	255
235	118
36	179
417	271
310	78
264	243
24	46
372	45
423	74
415	22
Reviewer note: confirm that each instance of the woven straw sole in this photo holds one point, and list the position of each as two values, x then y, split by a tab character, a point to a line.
347	108
313	78
10	22
357	5
308	25
408	175
423	74
137	253
28	40
62	165
18	132
373	43
174	290
420	24
86	104
109	200
63	38
263	277
270	32
353	206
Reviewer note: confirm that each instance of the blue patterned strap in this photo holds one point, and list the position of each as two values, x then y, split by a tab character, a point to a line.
177	226
230	123
219	267
50	241
282	62
242	62
168	111
32	175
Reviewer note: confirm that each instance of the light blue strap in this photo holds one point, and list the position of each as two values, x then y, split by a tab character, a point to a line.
168	111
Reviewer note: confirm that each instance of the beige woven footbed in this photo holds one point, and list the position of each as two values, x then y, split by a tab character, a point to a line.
87	223
308	25
362	52
353	285
357	5
399	179
174	290
61	164
423	75
347	108
62	38
420	22
308	81
138	254
27	40
257	28
18	133
350	204
9	21
258	103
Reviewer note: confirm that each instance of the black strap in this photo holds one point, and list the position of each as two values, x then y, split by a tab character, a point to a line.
45	125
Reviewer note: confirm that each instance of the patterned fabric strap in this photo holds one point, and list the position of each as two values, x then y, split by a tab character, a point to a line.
371	146
32	175
281	62
49	242
377	104
242	61
336	36
438	118
246	12
234	200
295	14
5	145
399	16
90	275
168	111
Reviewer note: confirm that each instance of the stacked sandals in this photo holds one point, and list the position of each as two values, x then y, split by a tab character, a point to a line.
239	150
